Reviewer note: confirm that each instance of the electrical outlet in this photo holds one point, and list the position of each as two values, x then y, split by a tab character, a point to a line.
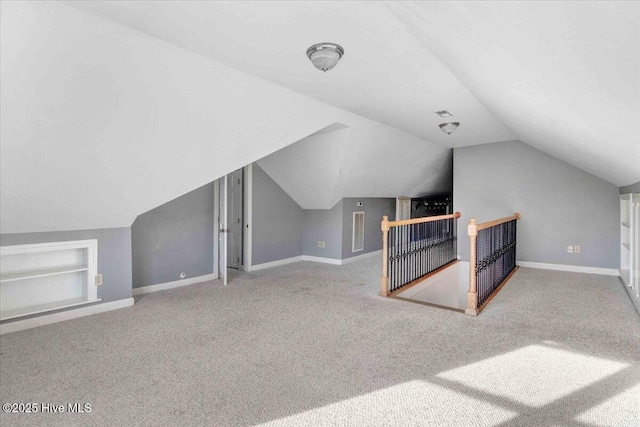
183	275
319	244
569	249
323	243
576	249
99	280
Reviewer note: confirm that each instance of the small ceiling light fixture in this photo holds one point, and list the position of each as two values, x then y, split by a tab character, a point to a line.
325	56
449	128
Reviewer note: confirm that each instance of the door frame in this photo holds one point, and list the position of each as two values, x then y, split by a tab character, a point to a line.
247	218
247	215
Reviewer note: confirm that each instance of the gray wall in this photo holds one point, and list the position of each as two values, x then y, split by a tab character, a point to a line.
173	238
374	209
560	204
633	188
276	221
114	255
324	225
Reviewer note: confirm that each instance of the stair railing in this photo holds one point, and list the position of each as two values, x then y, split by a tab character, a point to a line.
415	248
492	259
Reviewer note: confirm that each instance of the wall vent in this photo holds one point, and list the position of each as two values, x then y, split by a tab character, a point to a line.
444	113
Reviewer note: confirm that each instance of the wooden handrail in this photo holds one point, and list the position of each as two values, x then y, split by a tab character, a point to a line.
496	221
421	220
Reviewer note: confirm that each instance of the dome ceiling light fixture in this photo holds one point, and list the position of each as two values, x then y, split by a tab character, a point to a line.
449	128
325	56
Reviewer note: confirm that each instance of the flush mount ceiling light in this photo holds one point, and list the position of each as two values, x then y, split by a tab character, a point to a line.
325	56
449	128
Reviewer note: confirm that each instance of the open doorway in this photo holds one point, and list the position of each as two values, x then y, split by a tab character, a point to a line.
232	236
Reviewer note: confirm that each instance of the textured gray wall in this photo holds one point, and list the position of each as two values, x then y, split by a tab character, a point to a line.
633	188
324	225
560	204
114	255
374	209
276	221
173	238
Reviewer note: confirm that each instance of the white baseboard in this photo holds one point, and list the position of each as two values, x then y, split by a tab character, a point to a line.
363	256
334	261
47	319
573	268
174	284
276	263
322	260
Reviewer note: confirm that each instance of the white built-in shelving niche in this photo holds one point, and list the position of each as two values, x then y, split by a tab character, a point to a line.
630	242
42	277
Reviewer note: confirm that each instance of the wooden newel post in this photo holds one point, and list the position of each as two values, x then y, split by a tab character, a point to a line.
472	296
384	281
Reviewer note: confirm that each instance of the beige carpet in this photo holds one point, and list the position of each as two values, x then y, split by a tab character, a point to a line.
312	345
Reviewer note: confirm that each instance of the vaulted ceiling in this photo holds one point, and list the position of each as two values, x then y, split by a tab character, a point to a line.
560	76
112	108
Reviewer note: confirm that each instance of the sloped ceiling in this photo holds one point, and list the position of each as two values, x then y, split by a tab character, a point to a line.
109	109
386	74
100	123
560	76
564	77
359	161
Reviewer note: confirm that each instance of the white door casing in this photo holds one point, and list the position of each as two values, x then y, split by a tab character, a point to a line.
223	231
235	202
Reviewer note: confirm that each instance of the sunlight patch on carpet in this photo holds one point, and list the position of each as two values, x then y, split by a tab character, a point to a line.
535	375
408	404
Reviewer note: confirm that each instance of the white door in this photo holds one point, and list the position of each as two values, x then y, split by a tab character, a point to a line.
635	242
234	238
223	224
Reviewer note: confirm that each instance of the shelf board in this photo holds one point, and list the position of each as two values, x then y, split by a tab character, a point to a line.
42	308
42	273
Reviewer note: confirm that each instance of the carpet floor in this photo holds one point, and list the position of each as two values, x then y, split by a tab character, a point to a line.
313	345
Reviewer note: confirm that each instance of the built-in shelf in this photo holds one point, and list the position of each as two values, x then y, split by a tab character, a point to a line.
630	245
43	308
42	273
42	277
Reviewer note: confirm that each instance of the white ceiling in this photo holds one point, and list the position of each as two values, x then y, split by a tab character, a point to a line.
386	74
100	123
563	76
358	161
560	76
109	109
